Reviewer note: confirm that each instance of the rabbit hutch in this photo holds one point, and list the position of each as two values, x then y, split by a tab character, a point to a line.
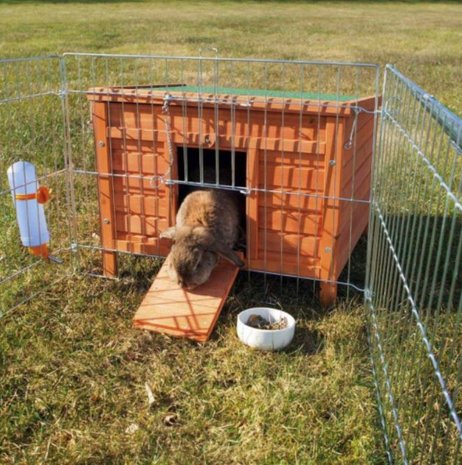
299	163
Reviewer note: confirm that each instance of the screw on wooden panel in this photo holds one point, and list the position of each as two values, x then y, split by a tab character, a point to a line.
332	162
101	143
328	249
106	221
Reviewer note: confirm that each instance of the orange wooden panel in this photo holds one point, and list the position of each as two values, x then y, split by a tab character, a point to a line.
289	221
136	145
298	200
274	176
297	160
271	125
139	244
359	141
135	162
225	142
278	126
361	176
361	161
352	230
138	224
297	244
169	309
136	185
289	259
148	205
133	115
291	265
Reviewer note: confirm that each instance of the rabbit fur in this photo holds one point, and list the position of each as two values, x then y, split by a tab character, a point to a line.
207	225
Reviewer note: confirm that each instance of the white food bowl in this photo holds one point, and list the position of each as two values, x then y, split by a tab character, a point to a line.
265	339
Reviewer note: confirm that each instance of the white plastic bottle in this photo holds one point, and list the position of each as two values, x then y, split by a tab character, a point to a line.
29	212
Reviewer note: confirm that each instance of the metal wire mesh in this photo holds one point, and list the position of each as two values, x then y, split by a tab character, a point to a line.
31	129
222	94
414	282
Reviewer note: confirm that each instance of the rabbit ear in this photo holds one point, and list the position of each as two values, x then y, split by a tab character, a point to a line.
228	253
168	233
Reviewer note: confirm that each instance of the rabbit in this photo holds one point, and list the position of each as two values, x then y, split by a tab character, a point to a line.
207	226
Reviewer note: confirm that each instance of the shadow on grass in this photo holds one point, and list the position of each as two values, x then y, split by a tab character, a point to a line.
308	341
428	249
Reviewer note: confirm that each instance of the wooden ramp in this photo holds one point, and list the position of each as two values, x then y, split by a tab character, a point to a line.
169	309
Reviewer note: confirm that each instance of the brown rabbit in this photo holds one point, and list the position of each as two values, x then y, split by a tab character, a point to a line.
207	225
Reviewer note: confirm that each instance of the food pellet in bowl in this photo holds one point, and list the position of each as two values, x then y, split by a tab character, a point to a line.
257	321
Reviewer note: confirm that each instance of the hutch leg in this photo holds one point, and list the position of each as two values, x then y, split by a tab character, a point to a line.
105	187
327	294
110	264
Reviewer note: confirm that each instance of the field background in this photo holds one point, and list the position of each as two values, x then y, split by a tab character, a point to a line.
422	39
73	372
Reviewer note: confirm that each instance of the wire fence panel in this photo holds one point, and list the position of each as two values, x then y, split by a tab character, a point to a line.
123	139
284	137
31	129
414	284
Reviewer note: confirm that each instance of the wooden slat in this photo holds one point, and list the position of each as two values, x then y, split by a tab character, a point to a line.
294	200
134	115
342	245
355	218
135	185
288	221
274	176
314	107
362	143
362	176
240	142
289	259
289	267
136	162
134	145
297	160
349	210
141	244
148	205
138	224
287	243
169	309
272	125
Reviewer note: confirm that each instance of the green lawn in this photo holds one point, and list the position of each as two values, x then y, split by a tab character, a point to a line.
73	371
422	39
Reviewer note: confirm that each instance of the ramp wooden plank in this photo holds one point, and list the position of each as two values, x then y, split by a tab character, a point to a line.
169	309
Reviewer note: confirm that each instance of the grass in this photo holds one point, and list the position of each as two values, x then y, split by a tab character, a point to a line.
72	369
422	39
75	382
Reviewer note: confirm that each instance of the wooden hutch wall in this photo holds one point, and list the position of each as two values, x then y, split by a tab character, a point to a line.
290	149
